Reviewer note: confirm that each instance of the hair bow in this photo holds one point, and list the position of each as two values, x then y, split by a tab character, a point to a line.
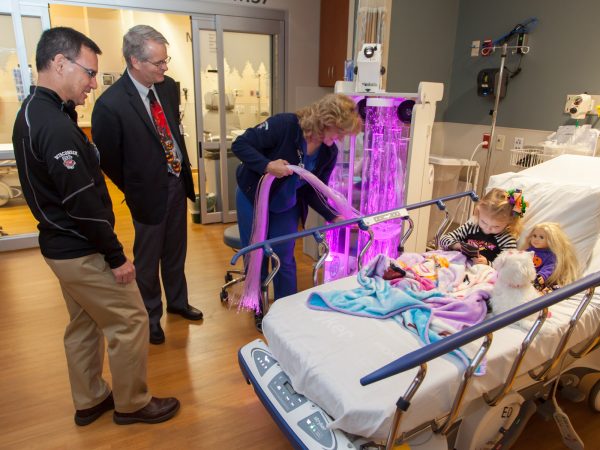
517	200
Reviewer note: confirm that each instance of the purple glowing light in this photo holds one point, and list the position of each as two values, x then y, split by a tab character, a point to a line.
372	174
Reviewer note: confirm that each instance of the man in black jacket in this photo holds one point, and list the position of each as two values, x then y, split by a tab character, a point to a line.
64	187
135	125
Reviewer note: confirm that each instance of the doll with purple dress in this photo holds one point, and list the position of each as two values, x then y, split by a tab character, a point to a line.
554	258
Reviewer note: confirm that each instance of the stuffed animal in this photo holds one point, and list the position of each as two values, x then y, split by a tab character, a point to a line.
514	285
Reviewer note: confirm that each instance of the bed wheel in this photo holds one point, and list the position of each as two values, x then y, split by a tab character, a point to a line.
594	398
224	296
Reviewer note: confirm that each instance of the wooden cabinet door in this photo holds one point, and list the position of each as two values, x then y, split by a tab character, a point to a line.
333	40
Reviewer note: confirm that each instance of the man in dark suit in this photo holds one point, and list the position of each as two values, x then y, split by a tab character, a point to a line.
136	127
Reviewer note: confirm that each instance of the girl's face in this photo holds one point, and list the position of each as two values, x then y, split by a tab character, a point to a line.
491	224
539	239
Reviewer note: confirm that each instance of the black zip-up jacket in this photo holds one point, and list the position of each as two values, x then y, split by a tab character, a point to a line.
61	179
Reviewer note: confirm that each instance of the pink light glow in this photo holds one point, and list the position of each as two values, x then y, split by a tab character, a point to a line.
378	186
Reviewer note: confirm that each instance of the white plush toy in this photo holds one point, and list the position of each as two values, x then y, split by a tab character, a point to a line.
513	287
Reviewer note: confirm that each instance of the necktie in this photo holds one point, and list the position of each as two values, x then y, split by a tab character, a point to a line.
164	133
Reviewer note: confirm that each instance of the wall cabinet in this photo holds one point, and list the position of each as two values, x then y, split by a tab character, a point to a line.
333	41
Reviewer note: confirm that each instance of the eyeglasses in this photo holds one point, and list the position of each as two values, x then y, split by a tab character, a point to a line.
91	73
162	62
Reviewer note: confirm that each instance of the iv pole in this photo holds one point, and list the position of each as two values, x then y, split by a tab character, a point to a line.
520	29
492	144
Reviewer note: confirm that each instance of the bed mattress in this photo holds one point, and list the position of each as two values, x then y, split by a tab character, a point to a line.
326	353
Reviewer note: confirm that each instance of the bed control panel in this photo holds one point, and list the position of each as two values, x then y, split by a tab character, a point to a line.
303	422
263	360
282	388
316	426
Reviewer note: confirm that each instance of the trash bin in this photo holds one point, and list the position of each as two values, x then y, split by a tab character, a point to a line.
450	177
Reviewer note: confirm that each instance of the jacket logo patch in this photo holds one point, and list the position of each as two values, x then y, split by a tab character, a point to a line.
264	125
67	158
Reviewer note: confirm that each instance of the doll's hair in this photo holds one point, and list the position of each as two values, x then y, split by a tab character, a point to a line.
497	204
567	268
336	112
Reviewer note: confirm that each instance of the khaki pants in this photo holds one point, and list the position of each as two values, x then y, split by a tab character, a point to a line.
100	307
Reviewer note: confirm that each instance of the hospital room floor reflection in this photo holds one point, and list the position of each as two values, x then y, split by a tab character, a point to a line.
198	364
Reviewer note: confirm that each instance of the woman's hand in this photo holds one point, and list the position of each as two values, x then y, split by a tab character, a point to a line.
279	168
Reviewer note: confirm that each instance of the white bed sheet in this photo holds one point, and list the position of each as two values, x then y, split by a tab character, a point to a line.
326	353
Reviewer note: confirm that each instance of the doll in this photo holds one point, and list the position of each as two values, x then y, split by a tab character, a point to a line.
554	259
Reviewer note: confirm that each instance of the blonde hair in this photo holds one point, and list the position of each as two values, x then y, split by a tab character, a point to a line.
497	204
336	112
566	269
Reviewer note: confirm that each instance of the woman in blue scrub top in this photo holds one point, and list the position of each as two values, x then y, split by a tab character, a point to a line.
307	139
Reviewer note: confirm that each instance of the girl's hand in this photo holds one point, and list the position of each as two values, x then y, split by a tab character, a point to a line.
279	168
480	260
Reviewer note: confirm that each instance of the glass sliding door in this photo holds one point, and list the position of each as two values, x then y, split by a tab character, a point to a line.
239	66
21	29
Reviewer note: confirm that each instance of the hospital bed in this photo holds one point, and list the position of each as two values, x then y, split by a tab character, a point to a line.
333	380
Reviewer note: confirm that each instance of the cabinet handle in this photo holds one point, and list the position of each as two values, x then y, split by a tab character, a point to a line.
330	71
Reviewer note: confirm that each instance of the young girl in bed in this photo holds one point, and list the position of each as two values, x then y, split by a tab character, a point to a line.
494	227
554	260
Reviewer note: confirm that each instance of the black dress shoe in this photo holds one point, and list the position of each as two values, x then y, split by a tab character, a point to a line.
157	335
189	312
86	416
158	410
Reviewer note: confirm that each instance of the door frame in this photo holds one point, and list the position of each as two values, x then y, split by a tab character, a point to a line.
220	24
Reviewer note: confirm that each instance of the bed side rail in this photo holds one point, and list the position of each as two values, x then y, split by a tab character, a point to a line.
457	340
363	222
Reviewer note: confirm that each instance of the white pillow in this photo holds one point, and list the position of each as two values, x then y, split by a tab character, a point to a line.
575	207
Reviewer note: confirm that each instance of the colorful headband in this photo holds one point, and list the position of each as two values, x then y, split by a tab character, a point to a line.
517	200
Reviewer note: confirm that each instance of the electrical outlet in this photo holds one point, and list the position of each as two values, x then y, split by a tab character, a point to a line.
519	142
486	140
500	139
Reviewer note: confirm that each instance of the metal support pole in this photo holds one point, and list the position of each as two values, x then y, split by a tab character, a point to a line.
492	144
